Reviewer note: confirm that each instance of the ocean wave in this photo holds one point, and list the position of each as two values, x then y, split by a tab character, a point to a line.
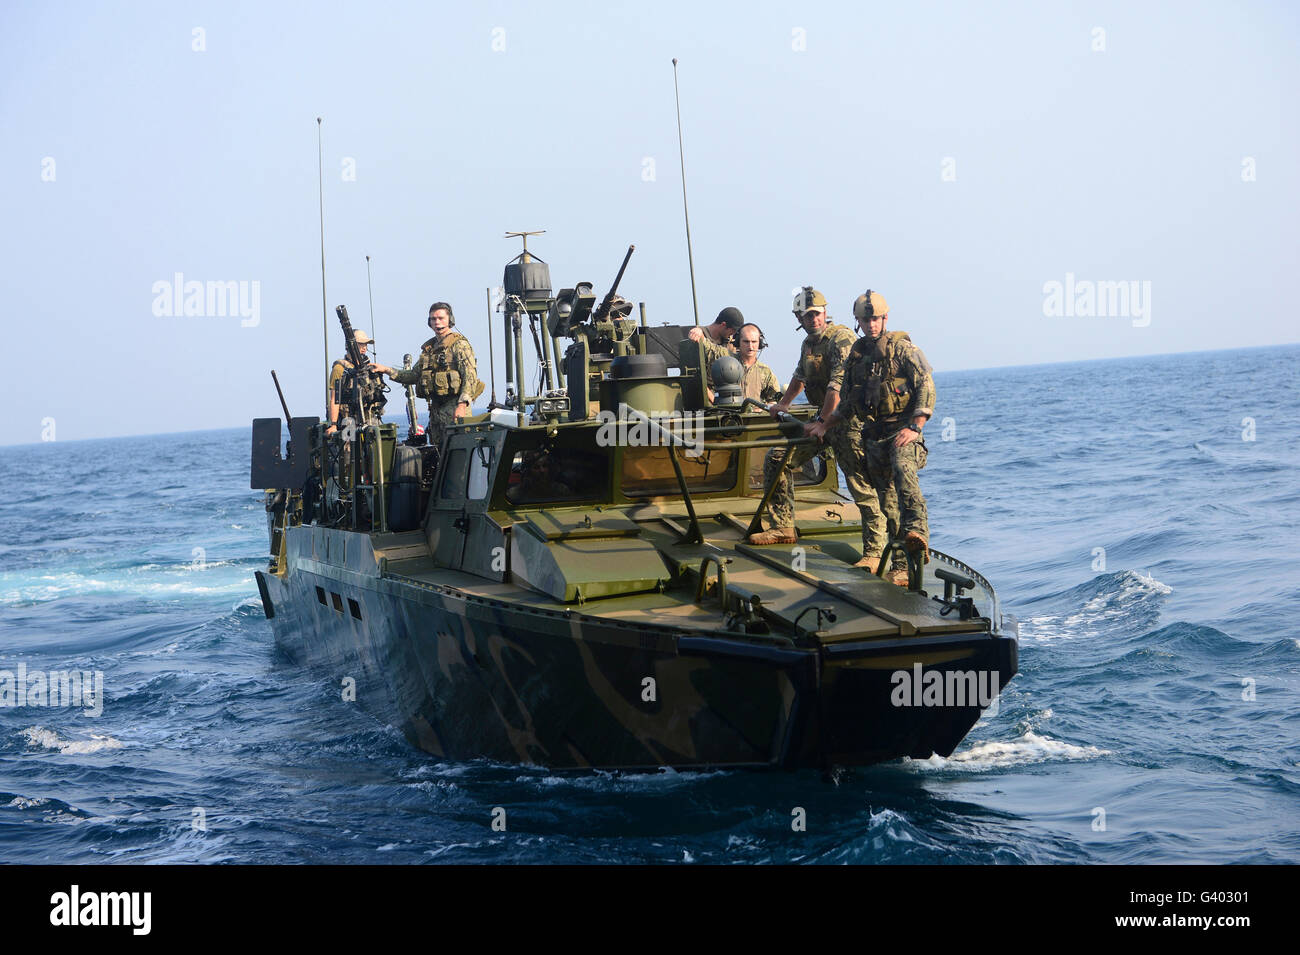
1106	600
48	739
608	781
164	582
1028	748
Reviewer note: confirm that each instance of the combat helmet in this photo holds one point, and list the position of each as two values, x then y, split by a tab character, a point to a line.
869	304
808	297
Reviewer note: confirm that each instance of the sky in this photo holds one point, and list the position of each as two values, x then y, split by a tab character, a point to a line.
983	166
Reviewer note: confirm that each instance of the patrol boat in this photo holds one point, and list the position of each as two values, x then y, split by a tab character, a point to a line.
565	582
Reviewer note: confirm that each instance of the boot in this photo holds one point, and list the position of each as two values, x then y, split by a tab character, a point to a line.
915	543
898	576
777	535
870	562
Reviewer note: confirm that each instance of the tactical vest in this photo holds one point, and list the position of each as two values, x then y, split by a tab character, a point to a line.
887	393
372	392
439	379
817	360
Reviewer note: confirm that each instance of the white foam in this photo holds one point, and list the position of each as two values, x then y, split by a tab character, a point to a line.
1029	748
601	779
48	739
1117	599
22	802
891	822
163	582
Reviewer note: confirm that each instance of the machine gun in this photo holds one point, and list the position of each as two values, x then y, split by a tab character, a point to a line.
362	457
602	310
359	377
414	434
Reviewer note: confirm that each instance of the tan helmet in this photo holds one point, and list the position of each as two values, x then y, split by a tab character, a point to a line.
869	304
808	297
363	338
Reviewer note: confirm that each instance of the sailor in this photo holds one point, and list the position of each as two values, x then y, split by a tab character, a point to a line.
819	372
446	374
888	384
718	339
341	390
758	382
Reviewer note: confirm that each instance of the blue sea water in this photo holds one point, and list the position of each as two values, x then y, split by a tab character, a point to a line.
1147	548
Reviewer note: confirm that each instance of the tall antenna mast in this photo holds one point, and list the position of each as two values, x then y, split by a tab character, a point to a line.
681	152
371	289
492	360
324	311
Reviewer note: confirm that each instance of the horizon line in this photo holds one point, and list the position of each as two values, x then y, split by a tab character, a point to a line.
1042	364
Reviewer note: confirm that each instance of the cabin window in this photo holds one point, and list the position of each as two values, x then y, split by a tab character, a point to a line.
813	471
480	468
810	474
552	475
648	471
455	475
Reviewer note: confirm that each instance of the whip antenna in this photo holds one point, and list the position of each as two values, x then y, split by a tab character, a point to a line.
371	289
324	310
681	152
492	361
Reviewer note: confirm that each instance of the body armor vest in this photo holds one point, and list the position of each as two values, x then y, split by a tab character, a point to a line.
439	379
887	393
818	361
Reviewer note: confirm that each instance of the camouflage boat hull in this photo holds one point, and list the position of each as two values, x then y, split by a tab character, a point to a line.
467	676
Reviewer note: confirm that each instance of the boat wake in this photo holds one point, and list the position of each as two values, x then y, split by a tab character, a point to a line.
995	755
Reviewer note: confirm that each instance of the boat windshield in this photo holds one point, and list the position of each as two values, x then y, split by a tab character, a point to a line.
648	471
546	476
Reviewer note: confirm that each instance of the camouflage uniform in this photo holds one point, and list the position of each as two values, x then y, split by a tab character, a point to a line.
760	384
715	350
446	375
712	352
821	369
372	395
889	384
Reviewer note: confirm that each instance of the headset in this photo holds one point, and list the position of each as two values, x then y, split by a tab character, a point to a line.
735	339
450	314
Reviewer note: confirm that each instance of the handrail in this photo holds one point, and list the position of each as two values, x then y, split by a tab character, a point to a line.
722	578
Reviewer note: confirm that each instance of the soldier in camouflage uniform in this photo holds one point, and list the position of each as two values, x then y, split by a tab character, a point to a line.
341	391
888	382
447	374
717	340
758	382
820	371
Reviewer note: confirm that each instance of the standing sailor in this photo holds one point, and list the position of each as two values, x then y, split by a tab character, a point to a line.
889	383
758	382
820	372
341	393
718	340
447	374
